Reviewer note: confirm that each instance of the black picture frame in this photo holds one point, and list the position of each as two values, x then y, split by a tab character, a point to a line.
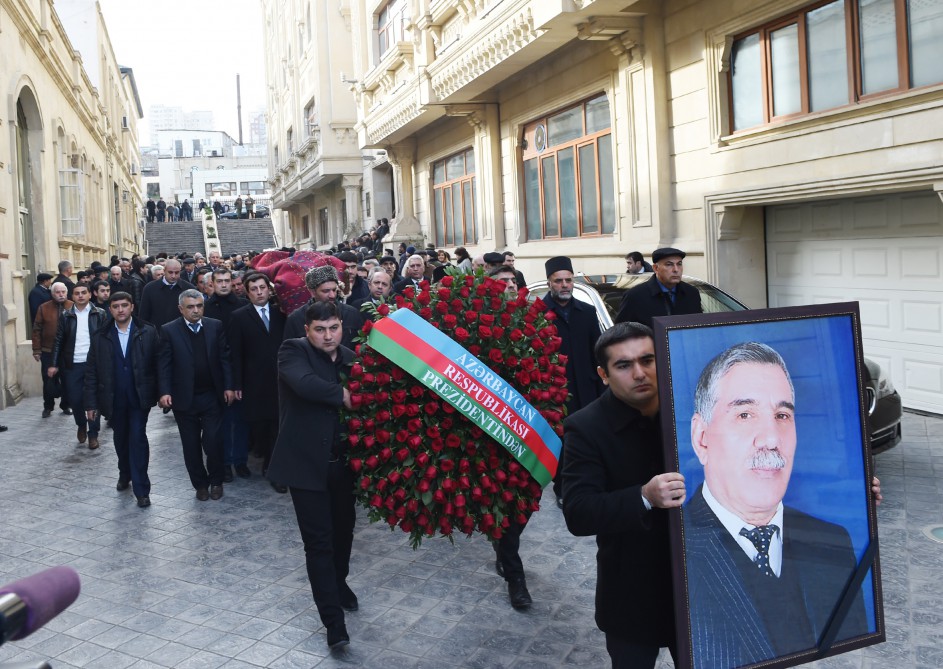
820	466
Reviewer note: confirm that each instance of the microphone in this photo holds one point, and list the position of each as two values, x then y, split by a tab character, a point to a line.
28	604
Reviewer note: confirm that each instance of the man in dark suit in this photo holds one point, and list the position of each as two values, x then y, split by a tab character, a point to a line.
380	285
322	284
70	355
578	328
311	459
256	332
195	380
616	488
752	562
64	277
665	294
160	299
121	385
414	273
39	294
635	263
221	306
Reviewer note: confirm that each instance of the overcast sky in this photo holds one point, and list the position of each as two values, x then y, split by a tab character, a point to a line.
187	53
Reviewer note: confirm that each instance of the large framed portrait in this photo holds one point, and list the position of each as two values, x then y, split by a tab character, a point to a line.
775	548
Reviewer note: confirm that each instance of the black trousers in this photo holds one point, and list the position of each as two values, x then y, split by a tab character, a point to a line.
131	446
52	388
263	434
73	387
201	431
630	655
326	520
507	549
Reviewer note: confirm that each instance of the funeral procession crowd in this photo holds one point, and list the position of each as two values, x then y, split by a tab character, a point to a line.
256	367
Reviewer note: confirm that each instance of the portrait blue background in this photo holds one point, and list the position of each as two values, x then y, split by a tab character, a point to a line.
828	475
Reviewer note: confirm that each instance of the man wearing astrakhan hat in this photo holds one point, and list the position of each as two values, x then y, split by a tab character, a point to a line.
322	282
665	294
578	328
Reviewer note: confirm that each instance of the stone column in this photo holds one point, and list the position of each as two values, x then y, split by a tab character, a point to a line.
353	186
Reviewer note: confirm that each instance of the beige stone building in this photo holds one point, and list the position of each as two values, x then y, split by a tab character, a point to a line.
69	185
315	163
793	148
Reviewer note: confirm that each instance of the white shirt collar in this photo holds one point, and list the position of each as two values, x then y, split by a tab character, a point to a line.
733	524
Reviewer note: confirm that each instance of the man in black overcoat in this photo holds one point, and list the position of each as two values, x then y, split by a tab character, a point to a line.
195	381
311	459
578	328
665	294
160	299
616	488
256	332
121	385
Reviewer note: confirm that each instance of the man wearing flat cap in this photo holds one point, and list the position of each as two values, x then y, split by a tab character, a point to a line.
493	260
322	283
578	328
665	294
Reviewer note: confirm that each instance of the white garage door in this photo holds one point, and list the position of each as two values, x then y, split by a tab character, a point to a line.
886	253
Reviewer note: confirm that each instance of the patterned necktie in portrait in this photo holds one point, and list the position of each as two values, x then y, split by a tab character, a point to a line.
760	538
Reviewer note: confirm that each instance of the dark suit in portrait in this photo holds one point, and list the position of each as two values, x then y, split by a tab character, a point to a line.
255	372
311	459
194	369
740	616
643	302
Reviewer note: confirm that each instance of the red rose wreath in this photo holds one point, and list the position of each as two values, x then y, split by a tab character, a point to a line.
421	464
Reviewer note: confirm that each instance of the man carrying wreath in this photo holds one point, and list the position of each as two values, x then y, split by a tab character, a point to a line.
310	458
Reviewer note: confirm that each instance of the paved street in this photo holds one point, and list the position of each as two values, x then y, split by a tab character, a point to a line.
190	584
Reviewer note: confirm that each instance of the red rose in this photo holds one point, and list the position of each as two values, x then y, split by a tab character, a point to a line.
353	386
446	281
412	409
484	332
394	477
431	472
438	497
367	326
422	459
449	321
423	486
356	464
371	462
398	375
376	501
431	408
497	332
409	293
424	298
356	371
457	305
416	391
356	399
486	319
461	334
448	485
495	355
386	454
401	455
452	441
471	316
398	410
383	309
382	436
442	307
365	483
383	378
475	350
460	500
516	335
446	465
477	304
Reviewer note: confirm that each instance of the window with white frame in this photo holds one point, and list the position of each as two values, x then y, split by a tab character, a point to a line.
309	119
568	173
454	196
71	195
391	25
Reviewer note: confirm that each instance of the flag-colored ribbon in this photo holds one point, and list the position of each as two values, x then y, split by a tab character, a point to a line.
444	366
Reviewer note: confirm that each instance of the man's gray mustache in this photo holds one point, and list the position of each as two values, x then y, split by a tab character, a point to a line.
767	459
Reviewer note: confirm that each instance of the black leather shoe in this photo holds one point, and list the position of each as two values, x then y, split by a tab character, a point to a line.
202	494
242	471
517	590
216	491
498	567
81	435
227	474
122	485
144	502
47	413
560	503
67	412
348	598
3	428
337	636
278	487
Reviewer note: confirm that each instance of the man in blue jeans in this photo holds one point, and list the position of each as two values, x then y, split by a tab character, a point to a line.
70	352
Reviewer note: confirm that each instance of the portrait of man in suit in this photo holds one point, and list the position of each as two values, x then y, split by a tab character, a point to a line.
764	579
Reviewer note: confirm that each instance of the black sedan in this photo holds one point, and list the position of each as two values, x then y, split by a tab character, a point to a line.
261	211
604	292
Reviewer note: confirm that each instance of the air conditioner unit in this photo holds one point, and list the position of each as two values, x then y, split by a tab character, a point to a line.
124	123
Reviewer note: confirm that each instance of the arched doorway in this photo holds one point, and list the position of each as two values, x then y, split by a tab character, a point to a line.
29	144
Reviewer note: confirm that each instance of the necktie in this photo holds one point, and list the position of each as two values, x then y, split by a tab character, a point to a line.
760	538
195	327
264	317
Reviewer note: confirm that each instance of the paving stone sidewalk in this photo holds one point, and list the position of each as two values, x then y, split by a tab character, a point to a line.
200	585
